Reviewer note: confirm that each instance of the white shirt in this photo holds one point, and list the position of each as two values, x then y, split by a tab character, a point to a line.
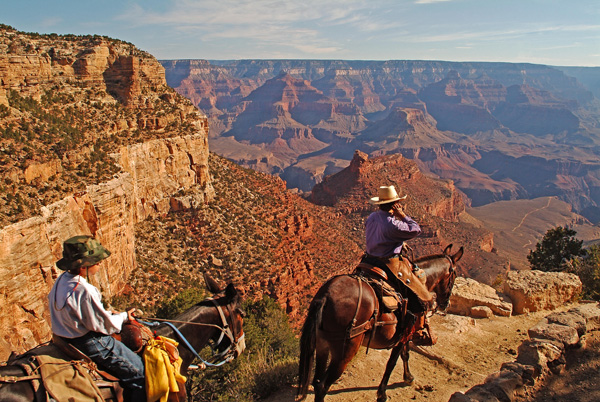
76	308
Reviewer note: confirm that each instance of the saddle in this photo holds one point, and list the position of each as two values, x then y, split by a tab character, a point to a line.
377	278
411	279
134	335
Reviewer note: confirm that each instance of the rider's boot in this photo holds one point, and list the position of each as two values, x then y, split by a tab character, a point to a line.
424	335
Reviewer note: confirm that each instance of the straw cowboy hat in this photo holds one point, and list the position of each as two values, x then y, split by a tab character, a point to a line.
387	194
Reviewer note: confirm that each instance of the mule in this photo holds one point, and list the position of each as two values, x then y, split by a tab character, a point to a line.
217	320
345	314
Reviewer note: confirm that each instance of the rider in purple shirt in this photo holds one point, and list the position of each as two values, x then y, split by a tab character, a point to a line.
386	230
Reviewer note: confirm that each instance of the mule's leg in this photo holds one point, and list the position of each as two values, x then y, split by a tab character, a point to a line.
321	358
408	377
341	354
381	396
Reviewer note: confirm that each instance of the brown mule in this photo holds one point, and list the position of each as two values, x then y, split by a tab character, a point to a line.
345	314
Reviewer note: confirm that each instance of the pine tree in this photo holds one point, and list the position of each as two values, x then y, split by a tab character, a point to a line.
558	247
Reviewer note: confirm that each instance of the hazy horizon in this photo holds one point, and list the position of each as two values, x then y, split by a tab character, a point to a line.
548	32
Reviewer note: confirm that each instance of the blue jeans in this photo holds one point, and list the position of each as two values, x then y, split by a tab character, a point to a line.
117	359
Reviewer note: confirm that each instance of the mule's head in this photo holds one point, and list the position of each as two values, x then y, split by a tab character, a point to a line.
444	286
441	273
229	342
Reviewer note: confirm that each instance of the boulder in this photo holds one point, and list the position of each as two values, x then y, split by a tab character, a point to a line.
482	312
459	397
543	355
469	293
557	332
536	290
504	384
569	319
526	372
591	313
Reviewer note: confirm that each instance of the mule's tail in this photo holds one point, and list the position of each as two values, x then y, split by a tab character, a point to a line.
308	344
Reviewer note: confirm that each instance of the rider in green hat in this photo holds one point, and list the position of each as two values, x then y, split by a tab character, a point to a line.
79	317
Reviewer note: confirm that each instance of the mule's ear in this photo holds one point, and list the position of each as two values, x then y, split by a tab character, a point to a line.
230	291
458	255
447	249
212	285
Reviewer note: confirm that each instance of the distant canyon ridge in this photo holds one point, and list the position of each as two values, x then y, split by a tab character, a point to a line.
500	131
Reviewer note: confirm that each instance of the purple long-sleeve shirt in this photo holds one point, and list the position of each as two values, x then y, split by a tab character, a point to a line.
385	233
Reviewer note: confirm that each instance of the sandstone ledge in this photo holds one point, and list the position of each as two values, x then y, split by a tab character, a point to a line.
536	290
469	296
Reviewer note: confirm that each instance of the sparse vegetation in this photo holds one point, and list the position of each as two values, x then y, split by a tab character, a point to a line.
73	123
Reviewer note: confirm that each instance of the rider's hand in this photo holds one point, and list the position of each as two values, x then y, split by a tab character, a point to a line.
130	316
397	211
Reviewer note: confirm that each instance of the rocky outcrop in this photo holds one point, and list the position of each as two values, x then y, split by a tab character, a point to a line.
347	187
469	296
538	358
536	290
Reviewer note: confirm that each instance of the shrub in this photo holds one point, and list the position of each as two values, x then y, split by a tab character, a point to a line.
588	270
181	302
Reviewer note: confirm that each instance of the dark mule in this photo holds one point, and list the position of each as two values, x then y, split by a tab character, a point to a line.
345	314
217	320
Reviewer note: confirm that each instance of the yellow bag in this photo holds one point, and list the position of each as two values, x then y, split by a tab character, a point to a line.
162	375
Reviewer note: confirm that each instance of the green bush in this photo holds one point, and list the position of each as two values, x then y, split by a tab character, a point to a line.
588	270
558	247
268	363
181	302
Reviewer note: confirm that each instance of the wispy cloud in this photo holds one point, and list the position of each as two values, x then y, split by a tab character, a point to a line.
486	35
431	1
296	24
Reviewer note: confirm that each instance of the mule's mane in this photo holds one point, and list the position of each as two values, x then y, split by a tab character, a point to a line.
198	309
430	257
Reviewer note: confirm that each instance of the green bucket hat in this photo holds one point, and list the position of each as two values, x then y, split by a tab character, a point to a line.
81	252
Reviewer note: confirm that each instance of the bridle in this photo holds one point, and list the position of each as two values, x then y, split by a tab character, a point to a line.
236	344
449	282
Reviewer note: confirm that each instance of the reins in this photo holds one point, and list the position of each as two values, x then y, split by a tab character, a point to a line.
227	354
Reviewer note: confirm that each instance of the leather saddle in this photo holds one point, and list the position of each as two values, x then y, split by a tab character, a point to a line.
377	278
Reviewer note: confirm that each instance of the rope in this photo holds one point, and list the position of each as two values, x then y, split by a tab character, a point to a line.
184	339
162	320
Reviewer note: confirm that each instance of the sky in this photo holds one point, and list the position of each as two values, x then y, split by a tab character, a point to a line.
552	32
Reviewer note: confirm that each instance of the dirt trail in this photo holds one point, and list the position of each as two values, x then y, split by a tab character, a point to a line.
468	350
